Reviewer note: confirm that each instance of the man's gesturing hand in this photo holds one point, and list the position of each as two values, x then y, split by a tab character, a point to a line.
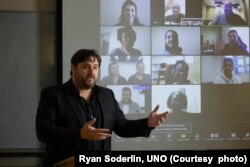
91	133
155	119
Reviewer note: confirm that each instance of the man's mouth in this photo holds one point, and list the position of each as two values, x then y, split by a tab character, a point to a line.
91	78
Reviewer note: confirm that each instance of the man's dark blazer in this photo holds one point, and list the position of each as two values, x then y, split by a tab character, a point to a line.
59	120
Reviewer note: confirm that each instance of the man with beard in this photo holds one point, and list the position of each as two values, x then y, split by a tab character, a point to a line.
172	43
180	73
80	116
227	76
228	17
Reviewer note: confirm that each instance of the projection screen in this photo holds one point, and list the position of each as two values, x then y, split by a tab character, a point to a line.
188	56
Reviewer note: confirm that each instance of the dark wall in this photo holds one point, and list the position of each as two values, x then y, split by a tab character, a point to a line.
28	63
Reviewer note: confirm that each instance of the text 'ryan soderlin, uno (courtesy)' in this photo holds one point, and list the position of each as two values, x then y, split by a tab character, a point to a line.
163	158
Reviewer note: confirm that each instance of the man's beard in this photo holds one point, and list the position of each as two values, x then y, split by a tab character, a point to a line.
85	84
172	45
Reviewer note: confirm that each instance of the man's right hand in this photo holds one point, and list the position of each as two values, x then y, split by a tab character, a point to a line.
91	133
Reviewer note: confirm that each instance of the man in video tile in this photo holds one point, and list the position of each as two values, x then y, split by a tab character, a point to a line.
228	17
227	76
127	105
172	43
175	17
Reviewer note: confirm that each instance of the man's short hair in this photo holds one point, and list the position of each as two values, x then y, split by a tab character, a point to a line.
84	55
227	59
126	89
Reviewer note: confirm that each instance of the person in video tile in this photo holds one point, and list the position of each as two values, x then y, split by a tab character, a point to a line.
180	73
228	17
227	76
177	103
129	15
140	77
172	43
175	18
126	52
127	105
114	76
235	45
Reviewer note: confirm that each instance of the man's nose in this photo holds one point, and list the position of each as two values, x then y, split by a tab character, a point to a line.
91	70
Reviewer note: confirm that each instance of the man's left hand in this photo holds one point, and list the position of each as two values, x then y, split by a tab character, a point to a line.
155	119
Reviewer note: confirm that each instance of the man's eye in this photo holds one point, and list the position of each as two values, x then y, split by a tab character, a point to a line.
85	67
